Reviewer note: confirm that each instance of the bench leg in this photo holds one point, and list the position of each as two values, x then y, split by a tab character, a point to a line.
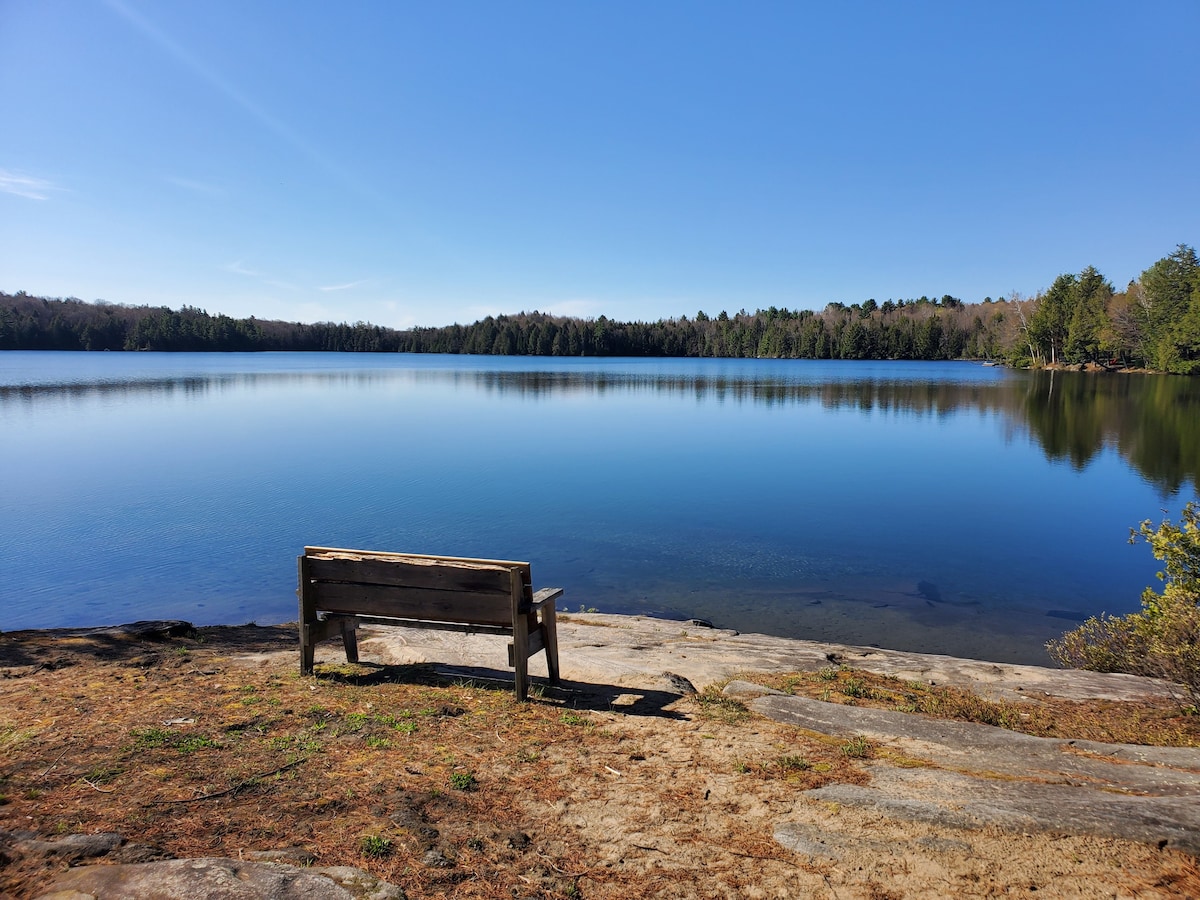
308	617
550	639
350	639
312	633
314	630
521	656
307	649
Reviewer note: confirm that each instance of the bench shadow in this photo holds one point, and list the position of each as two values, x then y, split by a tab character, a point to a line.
573	695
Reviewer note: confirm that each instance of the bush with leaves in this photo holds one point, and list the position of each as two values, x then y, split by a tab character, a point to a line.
1162	639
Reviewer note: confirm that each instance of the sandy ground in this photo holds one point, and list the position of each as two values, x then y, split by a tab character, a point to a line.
800	844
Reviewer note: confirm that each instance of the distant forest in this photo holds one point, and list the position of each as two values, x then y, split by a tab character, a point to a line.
1079	320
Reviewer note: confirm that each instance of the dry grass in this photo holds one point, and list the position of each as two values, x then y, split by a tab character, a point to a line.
217	747
175	745
1095	720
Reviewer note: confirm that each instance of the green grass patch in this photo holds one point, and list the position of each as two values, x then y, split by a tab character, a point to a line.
858	747
793	763
375	846
162	738
151	738
715	705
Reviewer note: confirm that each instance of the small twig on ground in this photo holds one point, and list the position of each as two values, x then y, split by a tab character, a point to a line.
55	763
551	864
237	787
754	855
96	787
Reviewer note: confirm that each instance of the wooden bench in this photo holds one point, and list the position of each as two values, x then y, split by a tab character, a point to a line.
342	589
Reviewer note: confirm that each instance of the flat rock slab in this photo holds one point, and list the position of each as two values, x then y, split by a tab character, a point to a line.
965	775
953	774
627	650
820	844
218	879
968	746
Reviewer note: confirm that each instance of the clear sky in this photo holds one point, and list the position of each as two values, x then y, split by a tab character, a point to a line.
424	163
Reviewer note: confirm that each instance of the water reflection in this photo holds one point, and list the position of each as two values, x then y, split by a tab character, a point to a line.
906	395
1152	421
198	386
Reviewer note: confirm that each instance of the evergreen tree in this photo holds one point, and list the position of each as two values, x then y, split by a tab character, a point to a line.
1050	323
1166	296
1089	297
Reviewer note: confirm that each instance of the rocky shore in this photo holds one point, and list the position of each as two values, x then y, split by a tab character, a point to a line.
627	780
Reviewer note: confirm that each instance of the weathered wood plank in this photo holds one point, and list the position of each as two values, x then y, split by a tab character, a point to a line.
464	627
546	595
537	643
413	573
387	554
412	603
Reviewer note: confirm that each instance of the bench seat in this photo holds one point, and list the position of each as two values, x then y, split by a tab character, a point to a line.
341	589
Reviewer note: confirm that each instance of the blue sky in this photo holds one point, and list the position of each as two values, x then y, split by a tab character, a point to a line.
426	163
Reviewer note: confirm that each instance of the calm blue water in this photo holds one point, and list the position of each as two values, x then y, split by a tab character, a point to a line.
942	507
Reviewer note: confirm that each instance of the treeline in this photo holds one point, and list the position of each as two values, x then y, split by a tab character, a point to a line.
1154	323
920	329
1080	320
36	323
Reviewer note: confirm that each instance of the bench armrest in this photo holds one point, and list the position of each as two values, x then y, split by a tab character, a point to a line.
546	597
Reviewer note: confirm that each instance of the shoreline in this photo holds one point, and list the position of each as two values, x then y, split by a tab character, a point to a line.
692	648
590	650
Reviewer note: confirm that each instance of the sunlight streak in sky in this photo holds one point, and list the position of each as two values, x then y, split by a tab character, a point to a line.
237	268
191	184
25	185
231	92
343	287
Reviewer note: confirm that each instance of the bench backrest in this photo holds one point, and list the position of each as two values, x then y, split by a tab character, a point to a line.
416	587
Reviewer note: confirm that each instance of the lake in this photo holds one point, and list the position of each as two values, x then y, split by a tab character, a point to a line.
939	507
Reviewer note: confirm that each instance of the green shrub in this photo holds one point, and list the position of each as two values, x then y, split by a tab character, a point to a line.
1161	640
856	687
375	846
858	747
